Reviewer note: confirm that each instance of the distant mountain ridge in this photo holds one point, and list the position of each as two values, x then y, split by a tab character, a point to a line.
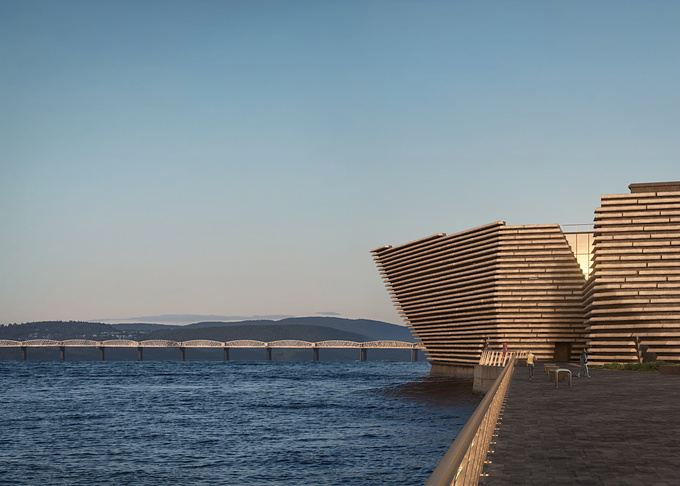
258	333
62	330
183	319
302	328
372	330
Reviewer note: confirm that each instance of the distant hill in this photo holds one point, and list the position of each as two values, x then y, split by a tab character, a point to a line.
258	333
143	326
62	330
302	328
183	319
373	330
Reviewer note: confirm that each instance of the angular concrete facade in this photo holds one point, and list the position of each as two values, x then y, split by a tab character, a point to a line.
523	286
495	284
632	299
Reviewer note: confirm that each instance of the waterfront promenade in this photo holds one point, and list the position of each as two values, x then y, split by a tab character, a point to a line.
617	428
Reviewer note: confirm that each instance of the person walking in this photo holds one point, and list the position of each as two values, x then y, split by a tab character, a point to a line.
584	364
531	360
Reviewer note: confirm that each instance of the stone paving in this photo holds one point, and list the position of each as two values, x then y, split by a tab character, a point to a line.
616	428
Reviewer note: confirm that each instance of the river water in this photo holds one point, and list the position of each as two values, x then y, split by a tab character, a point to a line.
233	423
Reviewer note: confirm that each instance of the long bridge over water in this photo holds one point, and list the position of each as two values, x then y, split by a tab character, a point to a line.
363	347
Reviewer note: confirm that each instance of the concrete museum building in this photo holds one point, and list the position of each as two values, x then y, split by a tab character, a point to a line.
614	290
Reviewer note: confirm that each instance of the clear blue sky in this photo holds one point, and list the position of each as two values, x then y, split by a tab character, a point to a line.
243	157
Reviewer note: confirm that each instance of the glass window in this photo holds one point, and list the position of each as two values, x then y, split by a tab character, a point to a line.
581	244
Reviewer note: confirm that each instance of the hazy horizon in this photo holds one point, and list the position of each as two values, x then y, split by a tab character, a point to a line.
242	158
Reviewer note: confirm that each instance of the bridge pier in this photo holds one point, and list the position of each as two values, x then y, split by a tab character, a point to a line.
140	353
101	353
315	354
269	353
363	354
181	354
414	354
23	353
226	354
62	353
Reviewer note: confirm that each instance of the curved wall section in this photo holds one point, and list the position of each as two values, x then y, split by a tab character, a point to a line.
443	286
495	284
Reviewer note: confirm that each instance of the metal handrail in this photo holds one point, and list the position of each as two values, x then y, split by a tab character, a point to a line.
499	358
463	462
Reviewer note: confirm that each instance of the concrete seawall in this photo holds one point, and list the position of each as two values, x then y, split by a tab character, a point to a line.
483	376
452	370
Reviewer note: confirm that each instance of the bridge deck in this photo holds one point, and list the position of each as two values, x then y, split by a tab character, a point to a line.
158	343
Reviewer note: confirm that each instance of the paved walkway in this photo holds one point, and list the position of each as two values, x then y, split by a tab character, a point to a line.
617	428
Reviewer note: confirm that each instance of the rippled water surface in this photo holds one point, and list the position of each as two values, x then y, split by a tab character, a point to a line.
236	423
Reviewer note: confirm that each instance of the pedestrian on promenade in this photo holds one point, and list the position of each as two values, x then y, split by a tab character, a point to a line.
531	359
584	364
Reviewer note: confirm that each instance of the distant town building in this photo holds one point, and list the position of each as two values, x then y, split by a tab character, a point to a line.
613	287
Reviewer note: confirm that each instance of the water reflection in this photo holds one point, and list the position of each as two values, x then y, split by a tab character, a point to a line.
436	391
